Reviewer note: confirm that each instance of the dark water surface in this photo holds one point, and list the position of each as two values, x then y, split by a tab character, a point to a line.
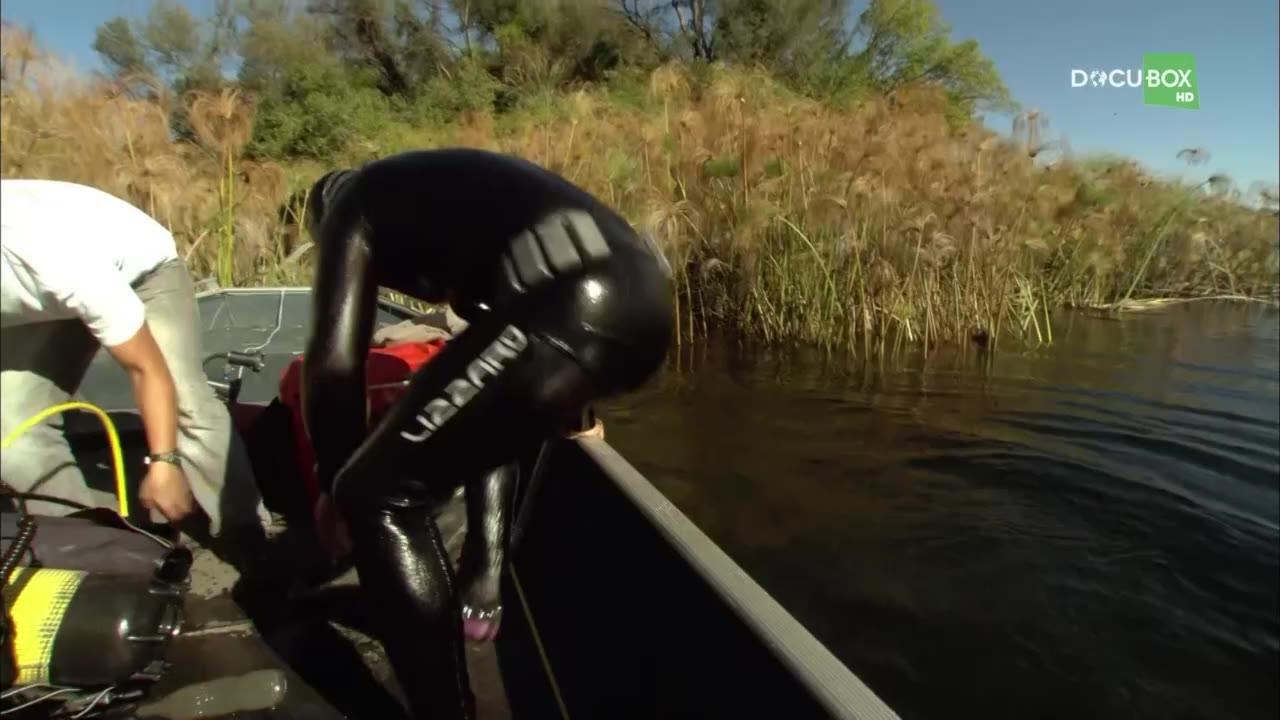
1087	530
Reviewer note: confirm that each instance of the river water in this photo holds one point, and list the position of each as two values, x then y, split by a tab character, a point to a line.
1084	530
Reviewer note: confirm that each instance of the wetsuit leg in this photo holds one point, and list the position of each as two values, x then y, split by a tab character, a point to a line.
484	551
404	571
504	383
396	546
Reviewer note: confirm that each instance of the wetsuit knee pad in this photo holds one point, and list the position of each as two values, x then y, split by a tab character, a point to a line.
615	320
365	498
592	288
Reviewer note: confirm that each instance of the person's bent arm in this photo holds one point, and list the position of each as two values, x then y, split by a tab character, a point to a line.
91	288
344	302
165	487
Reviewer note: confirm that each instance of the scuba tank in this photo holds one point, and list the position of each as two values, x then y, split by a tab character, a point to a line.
105	620
82	629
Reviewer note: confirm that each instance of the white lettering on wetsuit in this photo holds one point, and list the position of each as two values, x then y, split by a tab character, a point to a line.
459	392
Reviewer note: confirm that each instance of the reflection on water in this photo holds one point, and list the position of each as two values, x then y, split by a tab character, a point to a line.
1083	530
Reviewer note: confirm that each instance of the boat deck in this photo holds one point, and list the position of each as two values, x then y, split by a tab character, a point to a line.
609	642
334	667
320	638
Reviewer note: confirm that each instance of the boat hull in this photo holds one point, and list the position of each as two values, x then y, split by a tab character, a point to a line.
617	605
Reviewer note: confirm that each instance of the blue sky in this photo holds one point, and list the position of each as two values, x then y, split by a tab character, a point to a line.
1034	45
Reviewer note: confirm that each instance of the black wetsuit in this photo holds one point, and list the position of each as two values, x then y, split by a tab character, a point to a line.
565	302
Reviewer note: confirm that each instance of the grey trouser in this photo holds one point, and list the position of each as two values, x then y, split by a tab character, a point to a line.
43	364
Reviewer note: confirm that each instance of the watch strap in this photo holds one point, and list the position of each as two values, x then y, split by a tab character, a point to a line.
172	457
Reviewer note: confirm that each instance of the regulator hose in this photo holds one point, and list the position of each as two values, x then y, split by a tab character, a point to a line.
113	439
26	527
26	523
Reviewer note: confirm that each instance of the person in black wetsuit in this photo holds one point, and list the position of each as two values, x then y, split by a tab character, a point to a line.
566	304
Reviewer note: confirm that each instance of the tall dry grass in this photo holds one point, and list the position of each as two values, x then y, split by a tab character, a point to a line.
784	217
222	208
797	221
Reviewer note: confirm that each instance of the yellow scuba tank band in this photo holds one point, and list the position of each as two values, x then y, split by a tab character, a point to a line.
113	439
37	600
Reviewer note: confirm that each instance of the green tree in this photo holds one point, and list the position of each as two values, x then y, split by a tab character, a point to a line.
906	42
169	44
402	41
319	112
486	16
172	36
585	39
695	20
277	39
428	60
793	39
812	44
120	48
680	28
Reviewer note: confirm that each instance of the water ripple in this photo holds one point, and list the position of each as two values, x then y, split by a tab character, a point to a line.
1086	530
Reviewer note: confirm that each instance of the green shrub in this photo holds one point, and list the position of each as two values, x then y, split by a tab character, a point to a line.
468	88
319	112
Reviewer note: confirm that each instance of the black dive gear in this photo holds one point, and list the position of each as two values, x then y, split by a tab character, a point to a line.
566	304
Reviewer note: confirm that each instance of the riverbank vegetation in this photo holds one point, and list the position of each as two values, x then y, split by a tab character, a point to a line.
816	175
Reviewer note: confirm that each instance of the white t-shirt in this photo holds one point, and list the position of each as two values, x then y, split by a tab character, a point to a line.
73	251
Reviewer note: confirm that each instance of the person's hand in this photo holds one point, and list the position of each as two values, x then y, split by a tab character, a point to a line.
165	490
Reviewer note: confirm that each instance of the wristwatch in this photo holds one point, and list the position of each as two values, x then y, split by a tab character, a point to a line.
172	457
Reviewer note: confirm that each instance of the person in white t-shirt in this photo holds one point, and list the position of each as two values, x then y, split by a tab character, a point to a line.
82	269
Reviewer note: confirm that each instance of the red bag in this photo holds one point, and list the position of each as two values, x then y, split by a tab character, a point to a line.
387	373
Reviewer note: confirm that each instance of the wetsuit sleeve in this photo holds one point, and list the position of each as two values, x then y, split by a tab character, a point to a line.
344	306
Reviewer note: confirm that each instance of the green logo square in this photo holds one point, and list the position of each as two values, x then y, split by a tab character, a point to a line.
1169	79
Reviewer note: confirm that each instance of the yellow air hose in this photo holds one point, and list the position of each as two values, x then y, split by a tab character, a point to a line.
113	438
39	609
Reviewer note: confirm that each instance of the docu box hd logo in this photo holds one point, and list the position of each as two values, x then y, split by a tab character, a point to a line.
1167	79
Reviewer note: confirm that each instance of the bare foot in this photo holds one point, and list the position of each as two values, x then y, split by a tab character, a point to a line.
482	606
